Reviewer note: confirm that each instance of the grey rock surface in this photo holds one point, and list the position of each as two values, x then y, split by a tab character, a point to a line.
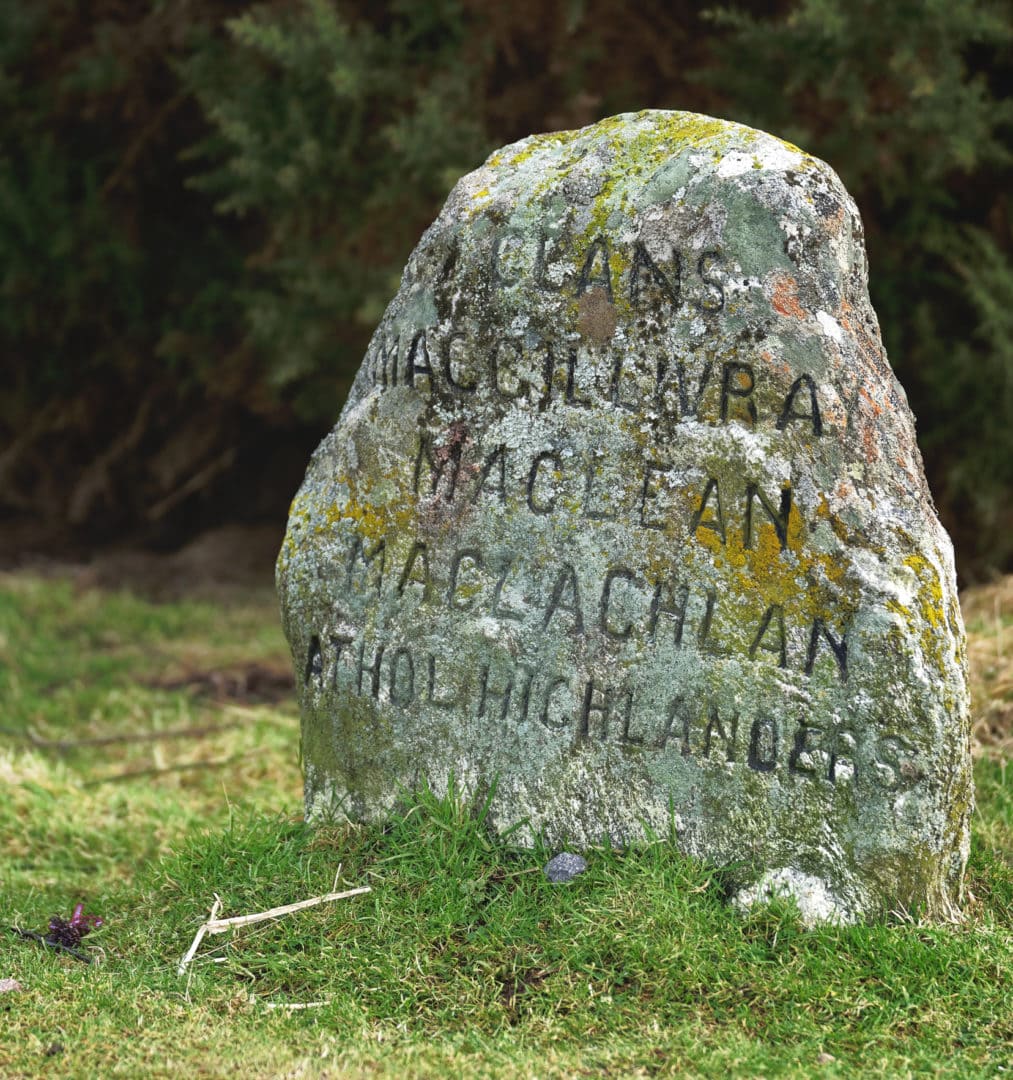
625	515
565	867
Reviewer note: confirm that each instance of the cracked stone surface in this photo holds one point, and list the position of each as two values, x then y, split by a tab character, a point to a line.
624	524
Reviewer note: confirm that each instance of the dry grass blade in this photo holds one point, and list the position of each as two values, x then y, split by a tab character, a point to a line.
988	611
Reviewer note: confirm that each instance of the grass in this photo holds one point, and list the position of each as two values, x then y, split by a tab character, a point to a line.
463	960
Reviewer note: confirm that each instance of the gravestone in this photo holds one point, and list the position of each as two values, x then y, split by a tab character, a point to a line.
624	529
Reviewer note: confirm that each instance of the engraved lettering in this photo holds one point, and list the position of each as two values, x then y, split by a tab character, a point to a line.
338	643
601	703
708	619
705	266
789	413
647	278
669	600
676	711
507	382
373	668
771	625
486	692
571	378
800	760
728	736
499	279
779	518
418	362
839	648
548	716
498	610
495	467
454	360
622	574
377	555
843	752
536	505
416	570
431	697
738	381
541	267
402	677
438	460
591	275
565	597
763	744
466	601
651	490
690	406
590	473
614	396
716	523
314	661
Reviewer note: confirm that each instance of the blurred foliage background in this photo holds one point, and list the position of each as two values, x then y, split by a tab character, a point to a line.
205	206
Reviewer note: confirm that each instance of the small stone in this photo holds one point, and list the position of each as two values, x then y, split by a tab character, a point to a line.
825	1059
565	867
8	986
624	520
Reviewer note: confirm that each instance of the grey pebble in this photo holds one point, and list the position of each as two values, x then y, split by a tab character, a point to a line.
564	867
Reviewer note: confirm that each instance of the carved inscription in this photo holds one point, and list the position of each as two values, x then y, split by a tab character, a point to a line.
654	614
623	605
553	480
586	710
709	390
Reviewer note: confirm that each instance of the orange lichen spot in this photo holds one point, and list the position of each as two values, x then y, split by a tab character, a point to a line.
785	297
870	444
874	405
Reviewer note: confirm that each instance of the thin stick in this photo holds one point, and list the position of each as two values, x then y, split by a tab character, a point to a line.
198	938
213	763
57	945
214	925
219	926
295	1004
109	740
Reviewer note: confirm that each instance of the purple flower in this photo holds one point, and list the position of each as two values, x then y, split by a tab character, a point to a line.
69	932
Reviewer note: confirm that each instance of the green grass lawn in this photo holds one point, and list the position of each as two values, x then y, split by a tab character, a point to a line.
141	775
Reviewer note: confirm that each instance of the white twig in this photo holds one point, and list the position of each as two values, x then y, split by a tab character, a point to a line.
214	925
295	1004
198	938
219	926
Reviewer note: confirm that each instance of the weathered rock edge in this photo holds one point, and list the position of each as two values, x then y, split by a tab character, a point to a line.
565	459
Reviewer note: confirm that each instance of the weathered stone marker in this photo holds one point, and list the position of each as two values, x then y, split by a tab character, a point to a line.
625	516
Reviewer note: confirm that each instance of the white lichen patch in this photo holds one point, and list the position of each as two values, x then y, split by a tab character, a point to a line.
816	903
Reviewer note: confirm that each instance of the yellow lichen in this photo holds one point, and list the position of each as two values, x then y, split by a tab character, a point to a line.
806	584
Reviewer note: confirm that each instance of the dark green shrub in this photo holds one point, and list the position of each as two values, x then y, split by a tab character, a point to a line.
204	209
